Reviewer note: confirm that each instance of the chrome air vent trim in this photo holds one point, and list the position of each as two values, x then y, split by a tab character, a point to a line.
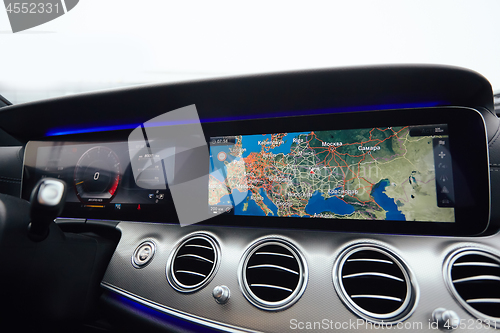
366	261
273	274
472	275
193	262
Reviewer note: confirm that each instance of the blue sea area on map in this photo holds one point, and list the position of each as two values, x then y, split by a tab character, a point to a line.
388	204
215	164
251	143
225	200
253	209
234	198
318	204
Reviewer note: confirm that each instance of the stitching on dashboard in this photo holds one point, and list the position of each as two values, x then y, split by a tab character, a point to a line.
11	178
10	181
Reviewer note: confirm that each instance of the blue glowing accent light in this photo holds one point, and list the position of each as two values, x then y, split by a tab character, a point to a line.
161	316
68	131
81	130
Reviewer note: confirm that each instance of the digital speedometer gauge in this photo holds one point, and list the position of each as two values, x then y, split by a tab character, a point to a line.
97	176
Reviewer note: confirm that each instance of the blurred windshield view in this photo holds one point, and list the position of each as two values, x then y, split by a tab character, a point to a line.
107	44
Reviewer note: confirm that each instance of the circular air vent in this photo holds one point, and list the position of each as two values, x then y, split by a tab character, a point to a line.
273	274
192	265
374	283
473	276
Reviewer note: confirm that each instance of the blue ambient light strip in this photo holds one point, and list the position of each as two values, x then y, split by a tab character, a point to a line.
162	317
93	129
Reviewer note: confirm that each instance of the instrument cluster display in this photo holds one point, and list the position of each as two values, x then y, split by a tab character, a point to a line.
99	175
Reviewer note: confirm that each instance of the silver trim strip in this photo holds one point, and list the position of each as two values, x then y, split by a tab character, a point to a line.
270	286
275	267
373	274
63	220
477	278
483	300
190	255
389	298
190	272
371	260
486	264
200	246
275	254
177	313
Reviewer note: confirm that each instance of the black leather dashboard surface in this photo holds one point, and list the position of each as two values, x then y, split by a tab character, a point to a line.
11	167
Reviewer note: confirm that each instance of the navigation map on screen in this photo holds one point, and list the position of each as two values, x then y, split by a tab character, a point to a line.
389	173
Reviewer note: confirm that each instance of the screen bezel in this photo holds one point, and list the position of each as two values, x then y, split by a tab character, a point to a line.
472	178
475	186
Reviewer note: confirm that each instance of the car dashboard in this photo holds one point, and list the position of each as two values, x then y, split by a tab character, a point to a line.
357	199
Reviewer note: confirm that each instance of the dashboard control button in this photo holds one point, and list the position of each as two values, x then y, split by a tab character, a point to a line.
446	319
221	294
143	254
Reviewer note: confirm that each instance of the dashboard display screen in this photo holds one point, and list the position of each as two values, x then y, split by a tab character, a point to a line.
428	174
99	175
385	173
